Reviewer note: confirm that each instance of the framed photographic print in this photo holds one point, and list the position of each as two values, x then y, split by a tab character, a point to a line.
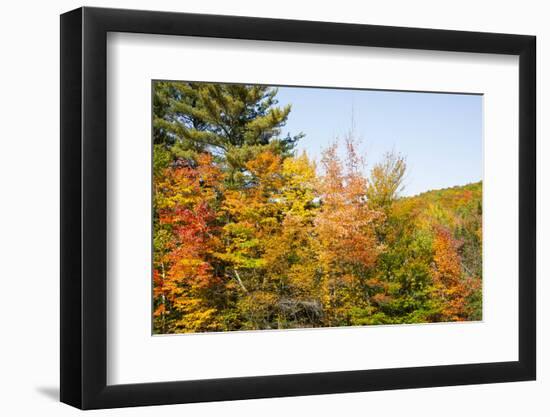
255	208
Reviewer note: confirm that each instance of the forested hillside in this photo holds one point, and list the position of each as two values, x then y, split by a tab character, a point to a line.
249	234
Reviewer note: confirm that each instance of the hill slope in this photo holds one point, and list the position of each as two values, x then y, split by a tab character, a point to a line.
431	269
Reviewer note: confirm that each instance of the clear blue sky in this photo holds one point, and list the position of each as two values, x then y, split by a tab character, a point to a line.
439	134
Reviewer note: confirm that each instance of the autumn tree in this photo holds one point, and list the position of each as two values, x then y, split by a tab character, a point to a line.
291	253
450	286
251	214
345	227
185	200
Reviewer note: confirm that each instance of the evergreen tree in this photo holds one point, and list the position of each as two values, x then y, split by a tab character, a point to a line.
233	122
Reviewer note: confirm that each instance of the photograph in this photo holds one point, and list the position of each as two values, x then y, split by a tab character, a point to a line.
287	207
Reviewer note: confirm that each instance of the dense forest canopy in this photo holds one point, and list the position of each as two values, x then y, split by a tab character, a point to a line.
249	234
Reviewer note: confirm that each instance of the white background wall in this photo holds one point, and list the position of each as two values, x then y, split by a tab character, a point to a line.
29	219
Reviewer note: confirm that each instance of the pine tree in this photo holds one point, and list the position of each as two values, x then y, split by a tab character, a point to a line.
233	122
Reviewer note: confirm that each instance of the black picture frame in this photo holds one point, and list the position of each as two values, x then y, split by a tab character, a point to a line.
84	208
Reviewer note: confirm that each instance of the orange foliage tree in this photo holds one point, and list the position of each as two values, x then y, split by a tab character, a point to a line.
345	227
185	203
452	288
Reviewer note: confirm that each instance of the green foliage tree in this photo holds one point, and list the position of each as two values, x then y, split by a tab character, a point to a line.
386	180
233	122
